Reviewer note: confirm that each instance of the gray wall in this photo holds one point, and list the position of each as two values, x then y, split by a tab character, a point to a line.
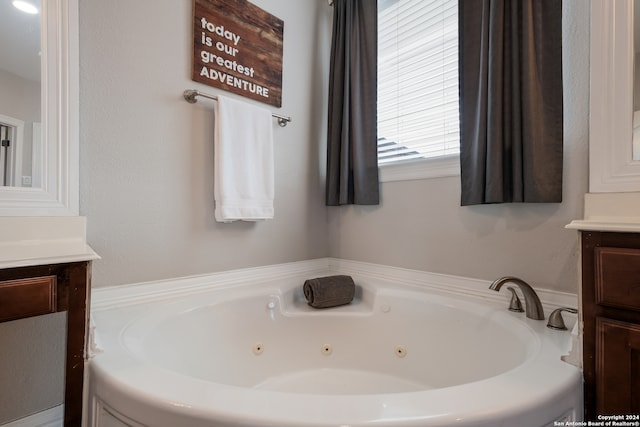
147	155
146	175
20	99
32	358
421	225
146	167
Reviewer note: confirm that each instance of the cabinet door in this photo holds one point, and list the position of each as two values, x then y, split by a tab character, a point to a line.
618	277
27	297
617	367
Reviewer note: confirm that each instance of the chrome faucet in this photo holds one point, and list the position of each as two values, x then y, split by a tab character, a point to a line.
533	306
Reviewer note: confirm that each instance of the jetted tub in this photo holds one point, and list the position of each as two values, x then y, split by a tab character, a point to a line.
257	355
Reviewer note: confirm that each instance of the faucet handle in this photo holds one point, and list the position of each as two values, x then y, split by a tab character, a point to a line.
555	318
515	304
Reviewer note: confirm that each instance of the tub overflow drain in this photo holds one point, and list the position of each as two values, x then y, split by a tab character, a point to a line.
401	351
326	349
258	348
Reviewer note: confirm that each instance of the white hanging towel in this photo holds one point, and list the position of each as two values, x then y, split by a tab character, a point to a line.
244	183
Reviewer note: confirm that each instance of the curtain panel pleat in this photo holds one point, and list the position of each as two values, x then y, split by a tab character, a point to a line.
511	140
352	156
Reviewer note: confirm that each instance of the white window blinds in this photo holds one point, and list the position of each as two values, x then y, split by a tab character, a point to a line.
417	79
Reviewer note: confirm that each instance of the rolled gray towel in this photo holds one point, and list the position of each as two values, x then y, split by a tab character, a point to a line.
329	291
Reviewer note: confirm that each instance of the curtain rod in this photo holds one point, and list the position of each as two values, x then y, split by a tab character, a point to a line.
190	96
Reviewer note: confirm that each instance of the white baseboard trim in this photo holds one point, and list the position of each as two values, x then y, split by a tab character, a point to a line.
53	417
125	295
106	298
446	283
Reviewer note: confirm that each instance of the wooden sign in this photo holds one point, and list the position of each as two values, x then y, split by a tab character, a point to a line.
238	47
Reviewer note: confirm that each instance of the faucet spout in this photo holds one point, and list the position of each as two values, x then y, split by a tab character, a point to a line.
533	306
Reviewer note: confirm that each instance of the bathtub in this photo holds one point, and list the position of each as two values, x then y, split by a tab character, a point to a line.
255	354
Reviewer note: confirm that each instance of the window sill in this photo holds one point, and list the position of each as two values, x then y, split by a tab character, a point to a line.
438	167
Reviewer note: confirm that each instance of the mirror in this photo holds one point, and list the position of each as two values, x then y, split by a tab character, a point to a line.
612	167
39	173
20	93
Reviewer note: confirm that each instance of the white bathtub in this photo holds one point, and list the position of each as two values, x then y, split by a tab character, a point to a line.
257	355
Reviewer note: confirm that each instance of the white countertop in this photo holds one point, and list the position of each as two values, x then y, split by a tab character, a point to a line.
616	212
27	241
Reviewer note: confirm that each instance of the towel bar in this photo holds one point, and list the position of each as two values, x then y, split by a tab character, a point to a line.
190	96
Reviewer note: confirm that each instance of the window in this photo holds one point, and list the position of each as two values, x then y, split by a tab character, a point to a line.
417	79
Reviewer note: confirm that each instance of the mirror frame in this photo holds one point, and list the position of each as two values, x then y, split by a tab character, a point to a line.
58	194
611	168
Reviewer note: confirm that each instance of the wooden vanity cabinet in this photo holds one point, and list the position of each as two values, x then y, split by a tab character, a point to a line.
611	314
37	290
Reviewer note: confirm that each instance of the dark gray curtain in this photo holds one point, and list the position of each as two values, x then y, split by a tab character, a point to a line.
352	153
510	101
